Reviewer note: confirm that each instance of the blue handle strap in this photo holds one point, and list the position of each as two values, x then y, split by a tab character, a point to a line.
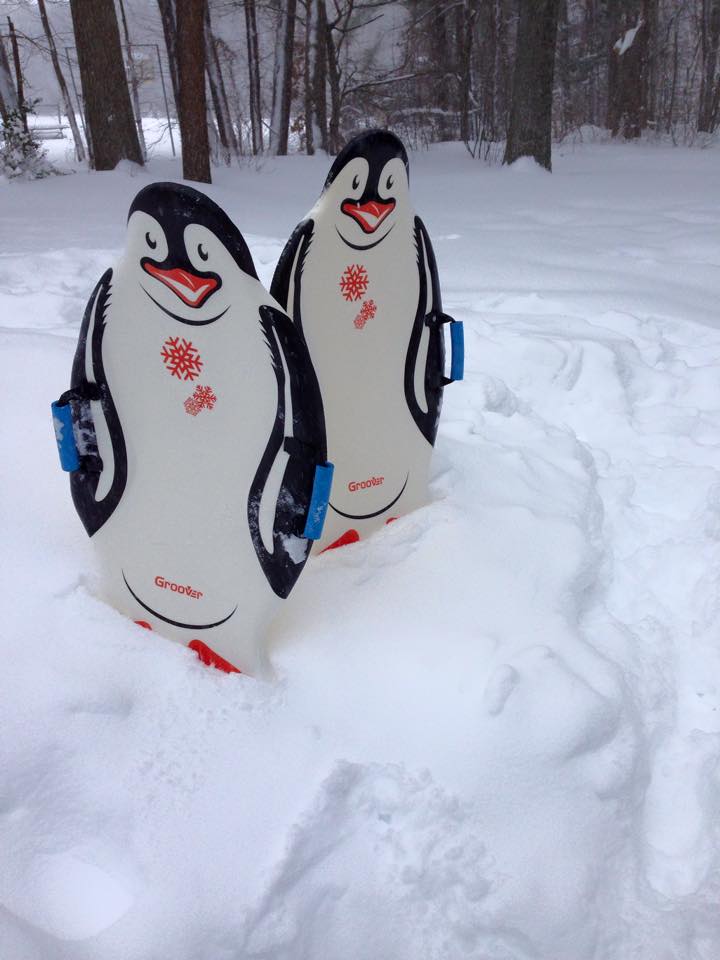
65	412
65	436
319	501
457	344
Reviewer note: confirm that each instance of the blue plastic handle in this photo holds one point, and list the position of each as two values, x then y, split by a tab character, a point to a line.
457	343
64	436
319	501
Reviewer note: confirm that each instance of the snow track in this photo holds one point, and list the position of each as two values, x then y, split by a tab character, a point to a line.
490	731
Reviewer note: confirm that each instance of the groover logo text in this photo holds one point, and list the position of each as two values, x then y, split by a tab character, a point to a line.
184	589
364	484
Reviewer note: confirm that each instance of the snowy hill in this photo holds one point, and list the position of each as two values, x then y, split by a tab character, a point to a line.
492	730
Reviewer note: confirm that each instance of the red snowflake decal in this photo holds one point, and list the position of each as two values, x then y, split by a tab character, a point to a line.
181	358
354	282
202	399
367	312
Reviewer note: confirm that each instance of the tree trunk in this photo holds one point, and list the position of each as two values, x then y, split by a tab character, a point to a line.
465	35
192	106
630	25
108	112
320	78
8	94
530	131
308	74
18	74
254	77
333	75
214	56
167	16
285	78
134	83
64	92
709	83
222	116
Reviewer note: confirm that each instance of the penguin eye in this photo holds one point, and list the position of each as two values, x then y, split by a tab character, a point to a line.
390	182
201	252
149	241
356	182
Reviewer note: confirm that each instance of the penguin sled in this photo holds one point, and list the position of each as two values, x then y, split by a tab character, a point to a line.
193	431
358	277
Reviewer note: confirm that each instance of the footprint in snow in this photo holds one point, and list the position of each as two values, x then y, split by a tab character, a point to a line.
551	714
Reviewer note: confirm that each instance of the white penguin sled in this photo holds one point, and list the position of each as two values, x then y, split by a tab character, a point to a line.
194	433
358	277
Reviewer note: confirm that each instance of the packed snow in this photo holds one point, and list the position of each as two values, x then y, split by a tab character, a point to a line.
489	731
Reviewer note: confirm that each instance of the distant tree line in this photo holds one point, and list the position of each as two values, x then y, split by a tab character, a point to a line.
506	77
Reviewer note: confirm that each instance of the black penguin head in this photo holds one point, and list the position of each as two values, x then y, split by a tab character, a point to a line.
368	186
184	243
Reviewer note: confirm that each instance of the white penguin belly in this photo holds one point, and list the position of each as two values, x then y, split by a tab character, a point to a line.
178	546
358	309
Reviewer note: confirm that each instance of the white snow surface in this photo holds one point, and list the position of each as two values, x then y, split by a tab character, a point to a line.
491	730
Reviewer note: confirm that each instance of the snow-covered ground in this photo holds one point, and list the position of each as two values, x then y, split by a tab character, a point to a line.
490	731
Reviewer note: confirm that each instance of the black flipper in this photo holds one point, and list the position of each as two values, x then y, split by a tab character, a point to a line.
429	314
84	481
293	256
304	441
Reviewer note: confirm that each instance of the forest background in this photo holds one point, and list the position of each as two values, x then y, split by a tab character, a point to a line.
249	77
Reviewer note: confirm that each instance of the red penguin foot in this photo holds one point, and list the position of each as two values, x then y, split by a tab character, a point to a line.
390	520
210	658
144	624
350	536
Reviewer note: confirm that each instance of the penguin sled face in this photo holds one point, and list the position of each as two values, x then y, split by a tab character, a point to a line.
175	253
367	190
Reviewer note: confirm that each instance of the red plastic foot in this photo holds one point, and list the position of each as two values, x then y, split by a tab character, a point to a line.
210	658
144	624
350	536
390	520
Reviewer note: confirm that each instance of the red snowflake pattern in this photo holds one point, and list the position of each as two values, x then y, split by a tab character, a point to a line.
181	358
202	399
367	312
354	282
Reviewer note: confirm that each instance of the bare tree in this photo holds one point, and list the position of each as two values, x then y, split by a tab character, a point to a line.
8	93
320	76
64	92
109	120
253	56
629	66
134	79
192	104
218	93
282	87
709	96
530	128
167	17
19	82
